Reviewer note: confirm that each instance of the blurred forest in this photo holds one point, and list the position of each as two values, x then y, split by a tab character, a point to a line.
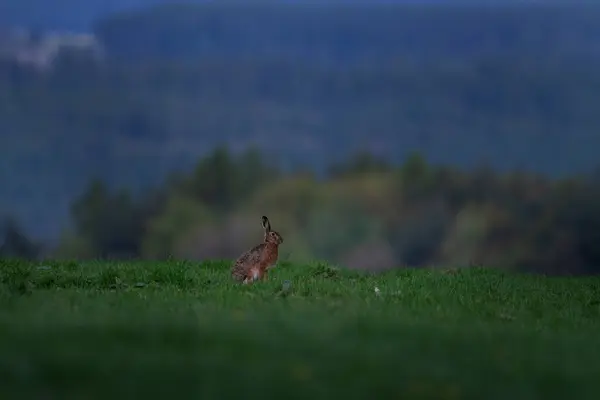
373	137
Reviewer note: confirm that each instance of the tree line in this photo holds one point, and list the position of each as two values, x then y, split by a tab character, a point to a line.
364	213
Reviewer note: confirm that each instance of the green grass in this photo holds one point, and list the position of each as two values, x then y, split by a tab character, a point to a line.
185	330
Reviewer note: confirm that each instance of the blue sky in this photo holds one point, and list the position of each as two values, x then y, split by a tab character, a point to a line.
79	14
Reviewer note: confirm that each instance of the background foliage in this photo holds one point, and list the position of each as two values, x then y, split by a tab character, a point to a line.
372	136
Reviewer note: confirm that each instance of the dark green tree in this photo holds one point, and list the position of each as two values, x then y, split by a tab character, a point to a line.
14	243
112	223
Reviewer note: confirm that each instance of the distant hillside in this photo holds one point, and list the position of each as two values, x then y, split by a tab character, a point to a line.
335	34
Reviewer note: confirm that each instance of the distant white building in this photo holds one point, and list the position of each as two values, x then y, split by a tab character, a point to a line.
41	50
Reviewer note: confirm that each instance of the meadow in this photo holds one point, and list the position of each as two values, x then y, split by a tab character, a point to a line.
106	329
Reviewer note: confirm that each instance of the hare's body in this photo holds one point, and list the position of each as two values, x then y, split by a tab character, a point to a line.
254	264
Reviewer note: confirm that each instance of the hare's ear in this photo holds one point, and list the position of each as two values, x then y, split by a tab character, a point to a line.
266	224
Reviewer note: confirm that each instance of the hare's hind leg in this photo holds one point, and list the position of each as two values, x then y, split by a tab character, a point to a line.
263	273
253	275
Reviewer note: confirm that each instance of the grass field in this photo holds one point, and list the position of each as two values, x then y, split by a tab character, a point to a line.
185	330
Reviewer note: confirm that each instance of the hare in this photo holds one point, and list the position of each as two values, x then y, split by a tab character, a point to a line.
253	264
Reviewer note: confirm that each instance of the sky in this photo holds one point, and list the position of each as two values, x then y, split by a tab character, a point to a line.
79	15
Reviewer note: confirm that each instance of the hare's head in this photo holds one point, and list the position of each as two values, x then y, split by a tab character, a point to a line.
270	235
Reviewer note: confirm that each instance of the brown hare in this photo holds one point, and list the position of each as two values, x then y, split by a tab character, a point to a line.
253	264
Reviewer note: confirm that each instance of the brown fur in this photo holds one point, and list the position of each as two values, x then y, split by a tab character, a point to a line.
254	264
